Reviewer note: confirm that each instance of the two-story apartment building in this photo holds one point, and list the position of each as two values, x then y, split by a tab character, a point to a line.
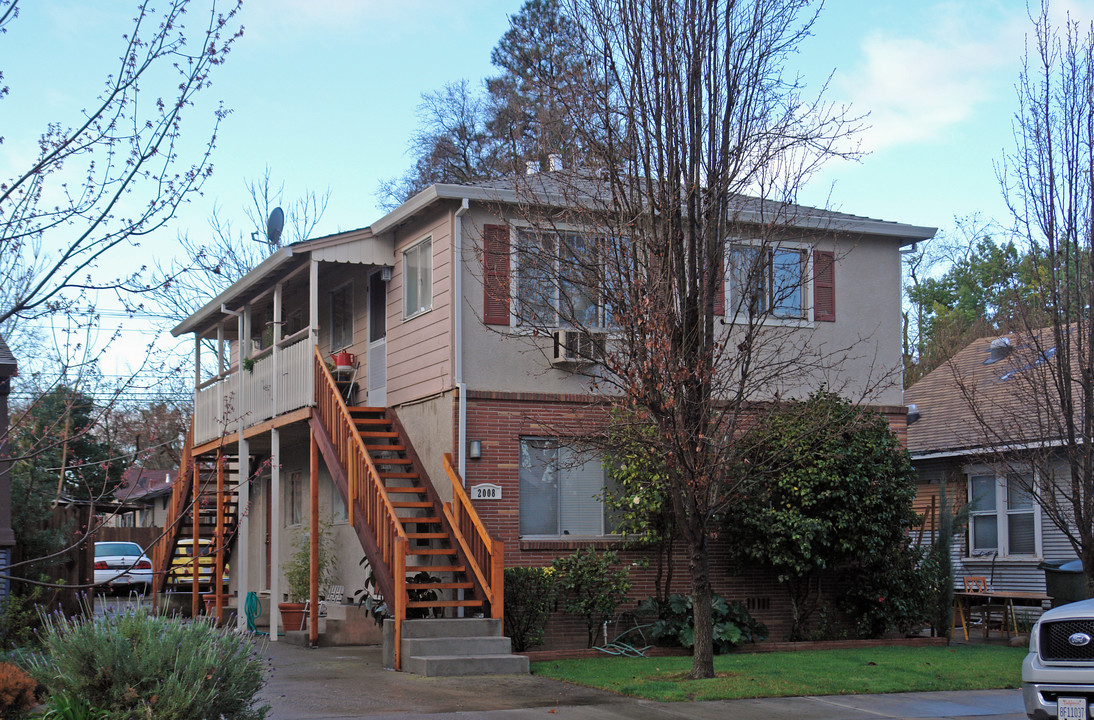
416	315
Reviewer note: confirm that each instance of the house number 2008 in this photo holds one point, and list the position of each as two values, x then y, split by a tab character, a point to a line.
486	492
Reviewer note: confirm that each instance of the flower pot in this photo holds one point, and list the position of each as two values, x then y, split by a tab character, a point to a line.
293	616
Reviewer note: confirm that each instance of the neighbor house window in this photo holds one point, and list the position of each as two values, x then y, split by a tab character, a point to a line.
557	281
341	317
560	490
1003	517
767	281
418	278
294	511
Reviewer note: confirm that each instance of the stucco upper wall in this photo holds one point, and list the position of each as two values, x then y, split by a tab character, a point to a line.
865	339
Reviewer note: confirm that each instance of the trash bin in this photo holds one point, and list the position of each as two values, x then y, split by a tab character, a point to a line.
1064	580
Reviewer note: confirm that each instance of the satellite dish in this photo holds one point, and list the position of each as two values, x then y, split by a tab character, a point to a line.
274	226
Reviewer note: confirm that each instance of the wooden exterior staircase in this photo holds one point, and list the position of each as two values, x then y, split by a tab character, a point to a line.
204	486
429	558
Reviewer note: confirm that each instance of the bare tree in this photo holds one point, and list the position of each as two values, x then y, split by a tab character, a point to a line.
1036	413
695	118
210	263
116	174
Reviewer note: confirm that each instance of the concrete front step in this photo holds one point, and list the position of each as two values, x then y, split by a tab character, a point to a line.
451	665
457	646
453	646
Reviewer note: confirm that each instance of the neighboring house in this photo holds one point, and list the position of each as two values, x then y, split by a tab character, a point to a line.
1008	534
148	493
423	299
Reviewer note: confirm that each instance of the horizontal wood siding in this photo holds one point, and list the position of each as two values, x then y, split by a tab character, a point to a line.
419	352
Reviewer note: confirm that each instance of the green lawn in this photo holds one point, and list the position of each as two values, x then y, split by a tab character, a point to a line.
780	674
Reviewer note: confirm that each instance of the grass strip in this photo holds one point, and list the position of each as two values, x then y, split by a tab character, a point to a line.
785	674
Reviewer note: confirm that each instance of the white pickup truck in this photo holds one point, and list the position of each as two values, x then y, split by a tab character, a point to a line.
1058	673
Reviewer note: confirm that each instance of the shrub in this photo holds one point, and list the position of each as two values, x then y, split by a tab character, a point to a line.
894	593
589	586
16	691
528	597
675	624
137	665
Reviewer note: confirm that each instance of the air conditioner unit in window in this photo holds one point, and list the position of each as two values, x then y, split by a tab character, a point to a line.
574	348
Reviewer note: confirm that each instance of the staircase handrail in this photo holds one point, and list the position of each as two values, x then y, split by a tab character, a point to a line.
390	536
484	553
180	495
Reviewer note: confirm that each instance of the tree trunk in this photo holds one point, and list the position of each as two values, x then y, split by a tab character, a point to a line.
702	658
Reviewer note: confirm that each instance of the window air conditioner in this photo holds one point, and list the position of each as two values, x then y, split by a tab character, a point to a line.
577	347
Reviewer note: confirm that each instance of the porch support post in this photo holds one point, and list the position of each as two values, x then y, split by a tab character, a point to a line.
242	569
195	549
313	302
275	531
197	361
276	350
313	590
217	584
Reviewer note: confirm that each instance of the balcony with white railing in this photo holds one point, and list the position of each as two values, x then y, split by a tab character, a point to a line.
268	386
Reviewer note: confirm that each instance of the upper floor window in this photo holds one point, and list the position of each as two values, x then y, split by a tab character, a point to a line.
766	280
341	317
557	280
1003	516
418	278
560	490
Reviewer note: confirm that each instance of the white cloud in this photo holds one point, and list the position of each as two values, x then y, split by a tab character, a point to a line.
920	84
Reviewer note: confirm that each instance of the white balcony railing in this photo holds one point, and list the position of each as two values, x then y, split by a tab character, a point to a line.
222	404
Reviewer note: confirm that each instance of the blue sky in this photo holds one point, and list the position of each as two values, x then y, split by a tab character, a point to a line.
325	92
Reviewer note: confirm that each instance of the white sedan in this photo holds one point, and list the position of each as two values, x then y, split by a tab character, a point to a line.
122	564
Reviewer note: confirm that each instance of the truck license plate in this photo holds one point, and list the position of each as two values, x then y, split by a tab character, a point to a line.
1069	708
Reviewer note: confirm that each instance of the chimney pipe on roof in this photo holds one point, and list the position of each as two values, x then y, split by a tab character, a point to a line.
913	413
1000	348
554	162
531	167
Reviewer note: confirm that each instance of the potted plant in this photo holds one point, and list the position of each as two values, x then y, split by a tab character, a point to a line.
298	575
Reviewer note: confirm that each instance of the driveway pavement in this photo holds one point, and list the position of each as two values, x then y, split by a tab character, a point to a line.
346	683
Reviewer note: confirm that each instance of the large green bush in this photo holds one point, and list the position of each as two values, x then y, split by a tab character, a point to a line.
137	665
675	624
529	593
589	585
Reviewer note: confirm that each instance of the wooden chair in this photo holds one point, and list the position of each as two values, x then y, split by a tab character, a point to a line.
985	613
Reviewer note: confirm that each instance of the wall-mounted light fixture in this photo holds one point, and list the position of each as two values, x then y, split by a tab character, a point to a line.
474	449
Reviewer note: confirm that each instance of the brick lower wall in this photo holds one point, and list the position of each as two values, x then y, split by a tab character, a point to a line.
500	420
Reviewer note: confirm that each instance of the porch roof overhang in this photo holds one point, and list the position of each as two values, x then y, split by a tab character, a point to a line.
284	262
751	212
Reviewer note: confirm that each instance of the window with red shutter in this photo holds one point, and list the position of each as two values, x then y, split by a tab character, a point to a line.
495	304
824	286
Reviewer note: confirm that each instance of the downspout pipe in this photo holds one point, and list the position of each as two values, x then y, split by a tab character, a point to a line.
457	288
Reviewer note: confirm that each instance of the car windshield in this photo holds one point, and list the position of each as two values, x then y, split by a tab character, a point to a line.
104	549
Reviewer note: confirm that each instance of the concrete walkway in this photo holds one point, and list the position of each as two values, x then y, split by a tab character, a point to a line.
345	683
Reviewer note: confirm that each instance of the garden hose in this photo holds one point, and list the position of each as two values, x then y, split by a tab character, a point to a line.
252	608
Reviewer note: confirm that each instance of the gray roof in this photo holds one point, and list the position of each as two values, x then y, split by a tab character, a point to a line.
8	364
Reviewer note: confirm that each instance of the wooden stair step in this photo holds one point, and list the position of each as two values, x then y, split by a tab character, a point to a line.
392	461
440	585
443	603
427	536
366	409
411	504
399	475
430	551
418	490
420	520
385	448
377	434
436	568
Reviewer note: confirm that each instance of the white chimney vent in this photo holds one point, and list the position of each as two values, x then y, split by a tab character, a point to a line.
554	162
531	167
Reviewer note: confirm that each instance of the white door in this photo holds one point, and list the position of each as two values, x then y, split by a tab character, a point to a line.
377	341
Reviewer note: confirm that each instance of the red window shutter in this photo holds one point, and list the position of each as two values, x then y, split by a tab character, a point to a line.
824	286
495	303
